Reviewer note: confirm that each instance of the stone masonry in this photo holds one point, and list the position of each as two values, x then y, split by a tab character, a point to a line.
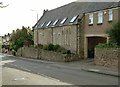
107	57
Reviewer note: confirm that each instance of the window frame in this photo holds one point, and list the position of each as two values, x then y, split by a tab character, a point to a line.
48	23
100	17
42	24
63	21
73	19
91	17
55	22
110	15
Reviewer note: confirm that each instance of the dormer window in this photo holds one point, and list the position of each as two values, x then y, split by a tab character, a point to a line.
48	23
100	17
110	15
55	22
90	19
63	21
73	19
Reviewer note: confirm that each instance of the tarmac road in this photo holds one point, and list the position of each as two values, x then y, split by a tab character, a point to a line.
58	72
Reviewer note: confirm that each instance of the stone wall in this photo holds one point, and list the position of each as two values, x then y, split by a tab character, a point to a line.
51	56
65	36
0	49
107	57
28	52
31	52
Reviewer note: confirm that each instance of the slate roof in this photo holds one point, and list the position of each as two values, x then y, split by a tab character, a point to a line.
70	10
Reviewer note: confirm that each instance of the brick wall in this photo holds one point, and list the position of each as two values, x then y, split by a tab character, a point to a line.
100	29
107	57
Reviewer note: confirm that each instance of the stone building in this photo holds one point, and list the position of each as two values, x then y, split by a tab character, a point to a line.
77	26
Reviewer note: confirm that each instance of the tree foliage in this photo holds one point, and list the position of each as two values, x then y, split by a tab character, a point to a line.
21	37
114	33
2	6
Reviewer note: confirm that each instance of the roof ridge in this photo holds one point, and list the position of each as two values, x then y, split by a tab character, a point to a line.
61	6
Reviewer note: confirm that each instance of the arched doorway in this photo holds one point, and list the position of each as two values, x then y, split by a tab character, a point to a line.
92	42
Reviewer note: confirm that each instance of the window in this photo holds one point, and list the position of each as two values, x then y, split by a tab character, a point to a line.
90	20
48	23
100	17
110	15
55	22
63	21
42	24
73	19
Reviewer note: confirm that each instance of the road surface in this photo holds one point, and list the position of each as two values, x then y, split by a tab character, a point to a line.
58	73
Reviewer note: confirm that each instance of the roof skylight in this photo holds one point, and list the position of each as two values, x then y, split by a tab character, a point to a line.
48	23
73	19
42	24
63	21
55	22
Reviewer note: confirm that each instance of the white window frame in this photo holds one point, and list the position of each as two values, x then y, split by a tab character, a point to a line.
55	22
42	24
63	21
48	23
90	18
110	15
73	19
100	17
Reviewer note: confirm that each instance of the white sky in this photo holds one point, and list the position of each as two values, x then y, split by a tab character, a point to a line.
18	13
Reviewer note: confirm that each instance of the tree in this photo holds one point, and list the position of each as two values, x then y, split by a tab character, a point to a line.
21	37
114	33
2	6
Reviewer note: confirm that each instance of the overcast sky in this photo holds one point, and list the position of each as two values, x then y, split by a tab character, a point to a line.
24	12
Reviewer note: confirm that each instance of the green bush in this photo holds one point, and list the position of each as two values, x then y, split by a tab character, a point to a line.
62	50
68	52
109	45
114	33
56	47
51	47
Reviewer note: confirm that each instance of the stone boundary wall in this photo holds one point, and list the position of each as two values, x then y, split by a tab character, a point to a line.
107	57
28	52
31	52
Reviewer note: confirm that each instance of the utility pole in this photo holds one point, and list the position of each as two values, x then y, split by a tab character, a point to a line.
38	51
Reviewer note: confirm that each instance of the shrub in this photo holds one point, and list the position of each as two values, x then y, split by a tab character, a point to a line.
51	47
62	50
56	47
68	52
114	33
109	45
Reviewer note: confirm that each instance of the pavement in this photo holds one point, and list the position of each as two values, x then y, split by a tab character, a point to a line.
89	66
13	76
85	65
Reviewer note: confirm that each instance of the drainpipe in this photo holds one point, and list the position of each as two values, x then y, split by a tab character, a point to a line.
52	34
79	34
77	38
